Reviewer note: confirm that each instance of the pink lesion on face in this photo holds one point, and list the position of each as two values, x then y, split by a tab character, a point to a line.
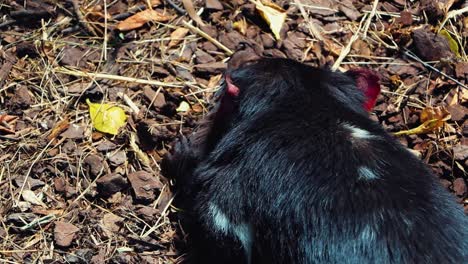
367	81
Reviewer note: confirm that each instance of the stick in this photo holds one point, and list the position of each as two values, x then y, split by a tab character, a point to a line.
116	78
344	52
369	19
208	37
413	56
312	28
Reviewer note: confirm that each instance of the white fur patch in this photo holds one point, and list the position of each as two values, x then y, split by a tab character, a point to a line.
358	132
242	231
220	220
367	174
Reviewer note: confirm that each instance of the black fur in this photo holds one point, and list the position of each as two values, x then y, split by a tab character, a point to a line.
283	164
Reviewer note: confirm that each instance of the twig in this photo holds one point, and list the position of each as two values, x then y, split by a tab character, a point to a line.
7	23
176	7
369	19
312	28
19	251
9	138
452	14
139	8
344	52
38	221
156	225
106	37
208	37
116	78
129	102
188	5
31	167
28	14
153	99
427	65
81	18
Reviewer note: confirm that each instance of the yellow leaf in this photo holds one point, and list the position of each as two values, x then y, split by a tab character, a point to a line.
273	15
141	18
106	118
452	43
183	107
241	26
432	118
426	127
439	112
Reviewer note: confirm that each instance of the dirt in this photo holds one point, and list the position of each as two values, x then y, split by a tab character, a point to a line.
72	194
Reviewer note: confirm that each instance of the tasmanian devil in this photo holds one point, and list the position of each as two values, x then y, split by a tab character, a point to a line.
289	168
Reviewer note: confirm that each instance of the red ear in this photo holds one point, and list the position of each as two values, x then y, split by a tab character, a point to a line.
232	89
367	81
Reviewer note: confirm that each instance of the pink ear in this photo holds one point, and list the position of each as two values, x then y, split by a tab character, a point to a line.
368	82
232	89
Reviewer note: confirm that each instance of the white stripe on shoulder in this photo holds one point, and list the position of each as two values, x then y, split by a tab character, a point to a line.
365	173
358	132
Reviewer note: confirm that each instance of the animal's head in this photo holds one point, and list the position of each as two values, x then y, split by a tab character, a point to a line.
255	83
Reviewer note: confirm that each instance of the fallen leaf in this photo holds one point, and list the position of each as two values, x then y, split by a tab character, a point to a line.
426	127
41	211
7	123
59	128
432	118
464	96
36	238
213	4
106	118
429	113
177	36
240	26
273	14
141	18
183	107
30	196
452	43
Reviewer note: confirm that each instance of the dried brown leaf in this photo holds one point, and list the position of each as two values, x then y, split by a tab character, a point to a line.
177	36
432	118
141	18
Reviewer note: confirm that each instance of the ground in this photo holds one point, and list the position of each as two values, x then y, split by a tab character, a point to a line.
71	193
